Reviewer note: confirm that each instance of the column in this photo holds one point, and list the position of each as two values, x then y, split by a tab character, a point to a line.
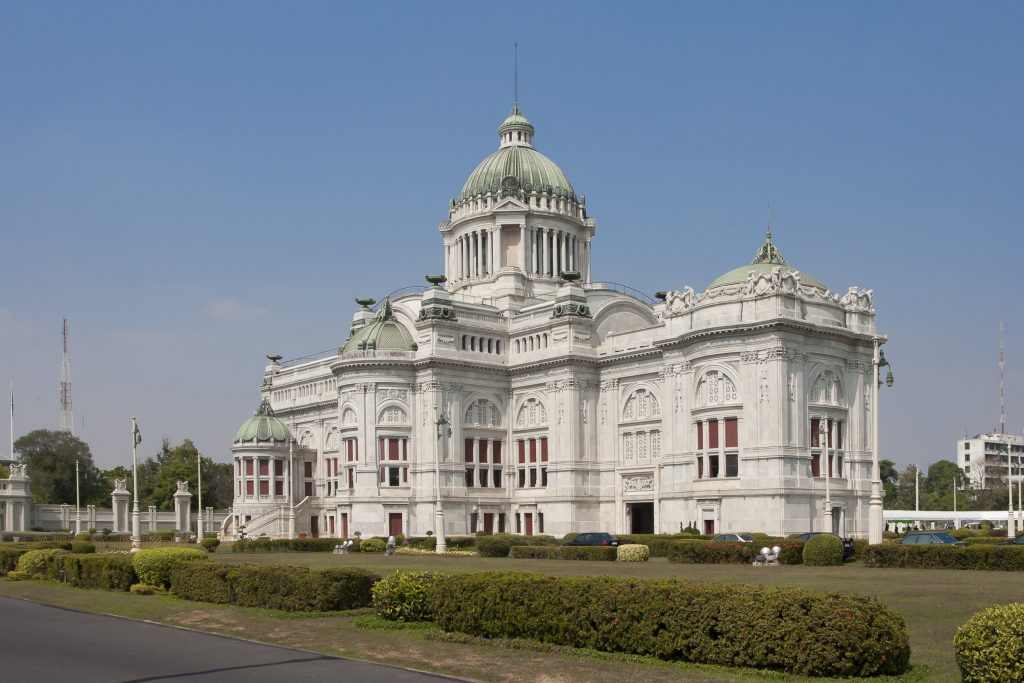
544	249
523	232
533	251
484	248
474	254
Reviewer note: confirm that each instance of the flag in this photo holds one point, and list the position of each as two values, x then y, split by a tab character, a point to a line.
136	434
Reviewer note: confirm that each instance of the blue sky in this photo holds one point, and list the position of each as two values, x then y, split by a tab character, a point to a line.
195	185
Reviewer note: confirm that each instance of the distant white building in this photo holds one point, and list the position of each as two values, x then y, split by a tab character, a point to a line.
519	394
986	459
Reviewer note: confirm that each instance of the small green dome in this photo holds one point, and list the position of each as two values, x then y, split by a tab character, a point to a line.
517	165
263	427
768	257
383	334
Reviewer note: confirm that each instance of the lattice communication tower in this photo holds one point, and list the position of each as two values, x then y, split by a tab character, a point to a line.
67	418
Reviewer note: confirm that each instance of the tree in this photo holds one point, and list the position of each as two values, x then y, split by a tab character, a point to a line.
218	484
50	458
890	481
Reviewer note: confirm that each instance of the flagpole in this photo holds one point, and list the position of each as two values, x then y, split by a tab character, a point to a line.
136	538
199	490
78	504
11	454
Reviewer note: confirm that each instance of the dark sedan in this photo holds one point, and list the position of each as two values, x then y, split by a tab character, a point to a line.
595	538
1019	541
930	538
847	542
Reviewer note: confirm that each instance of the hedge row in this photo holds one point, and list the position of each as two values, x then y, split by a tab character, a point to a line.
564	552
108	571
705	552
983	556
784	629
499	545
294	589
285	545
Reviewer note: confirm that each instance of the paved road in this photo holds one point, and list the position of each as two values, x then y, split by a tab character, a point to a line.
43	643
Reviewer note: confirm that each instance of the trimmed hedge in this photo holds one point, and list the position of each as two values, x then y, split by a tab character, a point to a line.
983	540
403	596
297	589
984	556
499	545
106	571
153	565
202	581
657	544
860	546
285	545
36	562
9	558
705	552
565	552
823	550
784	629
373	545
632	552
82	547
990	646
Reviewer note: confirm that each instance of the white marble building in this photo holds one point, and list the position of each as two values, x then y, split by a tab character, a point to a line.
520	394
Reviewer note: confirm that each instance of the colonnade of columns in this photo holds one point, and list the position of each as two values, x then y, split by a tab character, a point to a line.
247	470
543	251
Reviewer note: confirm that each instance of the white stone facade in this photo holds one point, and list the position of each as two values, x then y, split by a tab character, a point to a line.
534	403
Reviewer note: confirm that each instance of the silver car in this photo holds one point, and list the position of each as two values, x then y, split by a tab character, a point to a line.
733	538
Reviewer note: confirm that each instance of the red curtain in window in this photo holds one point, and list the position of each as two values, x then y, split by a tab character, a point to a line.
483	450
815	426
381	455
815	465
468	452
544	449
248	488
700	468
351	478
497	453
839	434
348	449
522	451
308	469
278	488
248	467
533	450
712	433
264	487
264	467
732	439
393	447
700	435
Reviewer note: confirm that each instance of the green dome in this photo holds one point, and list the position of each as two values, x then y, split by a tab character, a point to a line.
383	334
263	427
517	166
768	257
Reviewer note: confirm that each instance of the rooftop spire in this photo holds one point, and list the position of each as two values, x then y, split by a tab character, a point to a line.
769	253
515	73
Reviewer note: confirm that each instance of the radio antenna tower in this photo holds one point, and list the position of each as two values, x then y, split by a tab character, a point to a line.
67	418
1002	380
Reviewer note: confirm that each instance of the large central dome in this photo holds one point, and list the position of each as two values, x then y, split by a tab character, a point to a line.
517	165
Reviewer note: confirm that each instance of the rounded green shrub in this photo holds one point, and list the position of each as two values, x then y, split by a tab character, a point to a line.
403	596
632	552
210	544
35	562
990	645
372	545
823	550
82	547
497	545
154	565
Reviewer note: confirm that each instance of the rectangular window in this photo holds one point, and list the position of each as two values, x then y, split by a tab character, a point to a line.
278	488
839	465
469	477
248	468
307	469
483	477
519	524
544	449
264	487
712	434
351	478
700	435
248	487
474	519
815	427
540	522
309	488
533	477
522	478
700	467
483	451
533	450
496	458
732	438
713	466
405	475
815	465
732	465
383	475
501	522
543	476
393	449
522	451
393	476
467	454
497	478
839	434
264	467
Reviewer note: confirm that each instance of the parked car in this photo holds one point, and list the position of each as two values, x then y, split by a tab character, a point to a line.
595	538
1017	541
733	538
930	538
847	542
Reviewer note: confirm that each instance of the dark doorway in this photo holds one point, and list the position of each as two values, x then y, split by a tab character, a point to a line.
528	518
641	518
314	526
709	526
488	522
395	523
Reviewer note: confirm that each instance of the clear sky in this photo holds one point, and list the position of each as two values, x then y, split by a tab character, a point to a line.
197	184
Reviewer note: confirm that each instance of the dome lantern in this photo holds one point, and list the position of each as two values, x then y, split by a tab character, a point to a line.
516	129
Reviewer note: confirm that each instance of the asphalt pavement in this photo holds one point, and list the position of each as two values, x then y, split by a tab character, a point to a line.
44	643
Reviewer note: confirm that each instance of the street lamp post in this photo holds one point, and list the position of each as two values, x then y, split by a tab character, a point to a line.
78	504
1011	520
291	486
823	434
917	487
199	491
875	504
136	532
443	429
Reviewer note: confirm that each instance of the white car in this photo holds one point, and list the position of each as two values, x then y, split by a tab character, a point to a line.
733	538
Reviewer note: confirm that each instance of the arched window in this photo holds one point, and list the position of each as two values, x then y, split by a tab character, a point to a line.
716	388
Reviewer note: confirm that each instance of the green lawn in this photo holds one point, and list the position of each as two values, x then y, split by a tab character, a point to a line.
933	602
